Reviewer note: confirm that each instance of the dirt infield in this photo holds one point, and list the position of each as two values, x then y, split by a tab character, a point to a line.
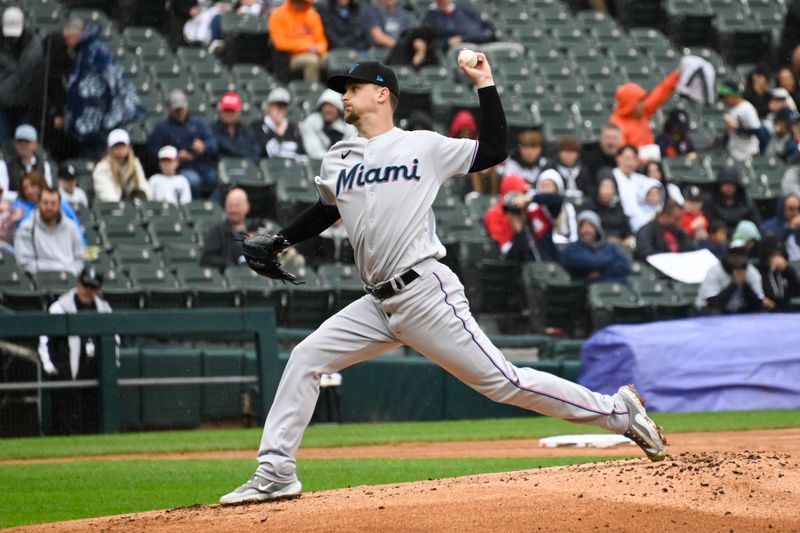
746	481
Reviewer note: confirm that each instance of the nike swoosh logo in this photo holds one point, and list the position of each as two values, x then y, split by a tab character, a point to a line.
345	154
263	488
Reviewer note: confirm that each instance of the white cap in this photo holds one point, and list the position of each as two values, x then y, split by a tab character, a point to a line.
279	95
13	22
329	96
650	152
118	136
168	152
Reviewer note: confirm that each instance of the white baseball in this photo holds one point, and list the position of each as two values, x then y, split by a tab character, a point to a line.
469	57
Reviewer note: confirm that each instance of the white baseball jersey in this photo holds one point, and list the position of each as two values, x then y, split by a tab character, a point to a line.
384	188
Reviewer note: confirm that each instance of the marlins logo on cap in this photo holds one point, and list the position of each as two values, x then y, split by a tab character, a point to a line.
367	71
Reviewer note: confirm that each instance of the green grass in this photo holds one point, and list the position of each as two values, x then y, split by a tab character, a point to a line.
363	434
41	493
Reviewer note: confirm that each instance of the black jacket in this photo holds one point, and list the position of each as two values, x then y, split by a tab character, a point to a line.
222	246
740	208
58	69
650	240
594	159
243	144
20	63
16	169
343	28
613	218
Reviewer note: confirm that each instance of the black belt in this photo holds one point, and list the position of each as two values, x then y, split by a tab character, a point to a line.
383	290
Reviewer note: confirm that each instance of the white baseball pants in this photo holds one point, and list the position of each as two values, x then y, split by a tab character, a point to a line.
432	316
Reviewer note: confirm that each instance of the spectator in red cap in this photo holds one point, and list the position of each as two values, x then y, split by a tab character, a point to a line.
636	107
234	139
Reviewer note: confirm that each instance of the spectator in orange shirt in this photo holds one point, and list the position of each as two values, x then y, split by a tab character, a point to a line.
296	28
635	108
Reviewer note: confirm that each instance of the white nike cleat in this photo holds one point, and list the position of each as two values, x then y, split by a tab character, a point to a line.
258	489
641	428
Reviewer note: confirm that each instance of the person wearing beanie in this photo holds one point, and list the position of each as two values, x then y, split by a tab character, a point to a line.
732	286
325	127
741	121
636	107
729	201
119	175
779	279
747	232
234	138
592	258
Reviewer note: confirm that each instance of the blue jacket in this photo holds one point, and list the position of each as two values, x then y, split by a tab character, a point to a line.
581	258
462	21
181	136
99	97
243	145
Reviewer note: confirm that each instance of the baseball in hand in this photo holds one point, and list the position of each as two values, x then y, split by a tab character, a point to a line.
468	57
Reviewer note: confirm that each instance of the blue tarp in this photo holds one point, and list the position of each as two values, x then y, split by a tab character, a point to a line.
722	363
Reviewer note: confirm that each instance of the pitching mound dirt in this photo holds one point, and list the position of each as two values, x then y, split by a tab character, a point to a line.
747	489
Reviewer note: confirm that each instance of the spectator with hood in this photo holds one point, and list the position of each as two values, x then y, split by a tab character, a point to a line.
234	138
565	225
577	179
654	169
606	205
748	233
593	258
785	225
636	107
416	48
663	234
456	24
757	90
651	201
527	160
732	286
325	127
778	278
523	227
729	201
343	24
296	29
20	60
675	140
783	143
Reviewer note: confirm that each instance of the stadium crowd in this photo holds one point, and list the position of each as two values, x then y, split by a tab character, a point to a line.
592	205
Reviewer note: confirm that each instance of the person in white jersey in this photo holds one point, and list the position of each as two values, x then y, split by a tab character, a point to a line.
382	184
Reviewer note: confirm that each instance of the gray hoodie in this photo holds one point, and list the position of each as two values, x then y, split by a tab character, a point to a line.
42	248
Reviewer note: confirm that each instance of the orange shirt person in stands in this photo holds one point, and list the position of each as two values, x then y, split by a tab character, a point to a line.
296	28
635	108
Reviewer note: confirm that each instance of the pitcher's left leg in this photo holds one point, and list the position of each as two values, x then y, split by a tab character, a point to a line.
440	326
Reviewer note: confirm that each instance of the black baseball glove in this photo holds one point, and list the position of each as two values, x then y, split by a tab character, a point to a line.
261	253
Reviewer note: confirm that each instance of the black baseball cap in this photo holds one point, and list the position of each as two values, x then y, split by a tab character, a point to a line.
368	71
90	277
67	172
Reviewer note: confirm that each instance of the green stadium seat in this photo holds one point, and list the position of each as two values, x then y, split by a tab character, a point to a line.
202	209
119	291
138	35
615	303
567	349
133	257
170	231
177	253
339	59
162	289
345	280
309	304
123	233
208	286
666	303
500	288
54	283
